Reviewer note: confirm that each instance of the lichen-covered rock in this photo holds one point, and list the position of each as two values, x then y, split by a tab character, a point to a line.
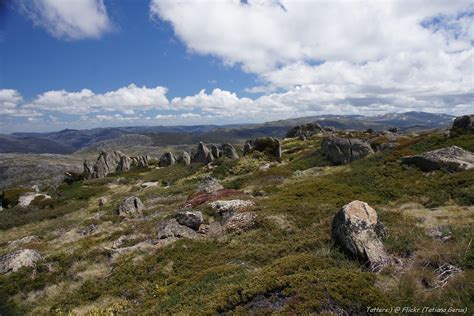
227	208
140	162
229	151
451	158
240	222
125	164
167	159
305	130
209	185
87	173
26	199
202	155
463	123
216	152
12	262
341	151
184	158
131	207
106	163
192	219
357	229
172	229
268	145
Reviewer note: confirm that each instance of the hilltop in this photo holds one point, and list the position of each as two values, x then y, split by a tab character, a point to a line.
164	238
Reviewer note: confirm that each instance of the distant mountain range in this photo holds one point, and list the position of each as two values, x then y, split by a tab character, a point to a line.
68	141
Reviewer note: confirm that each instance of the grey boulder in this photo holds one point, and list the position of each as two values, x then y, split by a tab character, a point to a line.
209	185
451	158
167	159
203	154
341	151
356	228
131	207
191	219
172	229
229	151
463	123
184	158
305	130
12	262
268	145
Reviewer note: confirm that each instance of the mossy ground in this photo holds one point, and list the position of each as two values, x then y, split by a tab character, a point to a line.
287	263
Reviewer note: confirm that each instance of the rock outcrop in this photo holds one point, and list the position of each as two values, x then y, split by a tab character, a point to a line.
450	158
12	262
106	163
131	207
87	173
356	228
184	158
191	219
341	151
463	123
172	229
26	199
240	222
209	185
306	130
140	162
167	159
125	164
229	151
227	208
216	152
268	145
202	155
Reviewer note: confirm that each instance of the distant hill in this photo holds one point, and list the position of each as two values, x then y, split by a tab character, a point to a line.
70	140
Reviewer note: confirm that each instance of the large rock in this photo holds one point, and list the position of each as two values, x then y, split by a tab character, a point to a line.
451	158
106	163
125	164
192	219
357	229
240	222
464	123
140	162
209	185
306	130
184	158
268	145
227	208
341	151
131	207
172	229
25	199
216	152
19	259
202	155
229	151
167	159
87	173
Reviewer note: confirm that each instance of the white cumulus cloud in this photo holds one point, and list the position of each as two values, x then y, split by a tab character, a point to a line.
69	19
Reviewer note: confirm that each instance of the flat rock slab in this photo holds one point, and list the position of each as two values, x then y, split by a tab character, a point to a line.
451	158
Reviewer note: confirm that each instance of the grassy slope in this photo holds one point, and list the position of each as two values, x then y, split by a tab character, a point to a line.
288	262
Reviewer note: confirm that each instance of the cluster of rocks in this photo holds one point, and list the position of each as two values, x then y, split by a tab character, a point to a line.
189	223
305	131
110	162
203	154
341	151
13	261
268	145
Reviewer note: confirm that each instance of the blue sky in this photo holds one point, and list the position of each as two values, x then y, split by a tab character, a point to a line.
89	63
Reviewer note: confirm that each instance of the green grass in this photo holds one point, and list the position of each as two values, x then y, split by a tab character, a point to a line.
291	270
